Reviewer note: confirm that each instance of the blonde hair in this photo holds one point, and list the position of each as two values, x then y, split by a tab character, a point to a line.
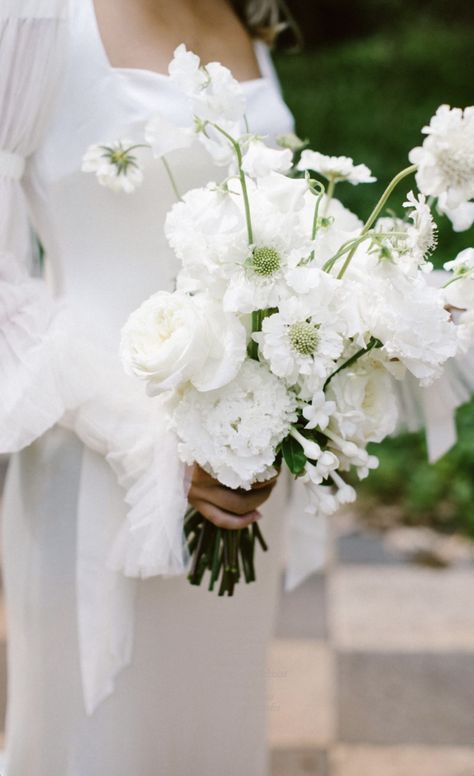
265	19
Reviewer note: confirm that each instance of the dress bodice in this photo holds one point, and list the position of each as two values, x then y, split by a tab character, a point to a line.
106	252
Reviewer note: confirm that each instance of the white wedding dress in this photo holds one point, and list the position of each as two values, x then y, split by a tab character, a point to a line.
110	674
117	666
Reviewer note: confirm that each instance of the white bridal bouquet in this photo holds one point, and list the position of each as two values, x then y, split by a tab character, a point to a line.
291	318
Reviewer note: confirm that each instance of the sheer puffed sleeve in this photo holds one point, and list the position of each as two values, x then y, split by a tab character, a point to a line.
49	373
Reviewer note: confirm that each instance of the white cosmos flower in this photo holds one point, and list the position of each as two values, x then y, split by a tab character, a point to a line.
446	159
233	432
461	216
335	168
175	338
297	342
286	194
260	160
164	136
114	164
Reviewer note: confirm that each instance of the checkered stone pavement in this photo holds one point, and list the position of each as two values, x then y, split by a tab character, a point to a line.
371	671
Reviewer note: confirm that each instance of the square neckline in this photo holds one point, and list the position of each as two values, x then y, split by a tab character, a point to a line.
258	46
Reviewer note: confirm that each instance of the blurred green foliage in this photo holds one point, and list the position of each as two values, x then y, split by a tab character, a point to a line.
368	98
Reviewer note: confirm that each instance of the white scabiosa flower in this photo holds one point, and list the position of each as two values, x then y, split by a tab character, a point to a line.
172	339
422	233
260	160
445	161
114	164
297	343
233	432
335	168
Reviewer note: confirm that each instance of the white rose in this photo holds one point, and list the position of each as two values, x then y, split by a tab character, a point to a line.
172	339
366	409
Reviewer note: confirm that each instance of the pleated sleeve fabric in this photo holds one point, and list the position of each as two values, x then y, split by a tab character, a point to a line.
50	372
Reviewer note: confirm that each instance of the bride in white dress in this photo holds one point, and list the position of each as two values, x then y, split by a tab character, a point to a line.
117	666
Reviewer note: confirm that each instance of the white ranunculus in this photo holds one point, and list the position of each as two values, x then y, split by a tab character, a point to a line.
174	338
446	159
366	407
114	164
233	432
164	136
335	168
260	160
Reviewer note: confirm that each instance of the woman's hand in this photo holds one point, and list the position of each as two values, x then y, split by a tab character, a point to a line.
224	507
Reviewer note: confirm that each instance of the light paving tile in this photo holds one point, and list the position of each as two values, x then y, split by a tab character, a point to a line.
301	694
302	612
406	699
401	761
401	609
299	762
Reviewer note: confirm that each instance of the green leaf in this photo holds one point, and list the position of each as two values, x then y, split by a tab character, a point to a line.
294	456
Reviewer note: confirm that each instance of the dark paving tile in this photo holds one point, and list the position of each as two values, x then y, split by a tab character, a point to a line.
302	612
425	699
367	548
299	762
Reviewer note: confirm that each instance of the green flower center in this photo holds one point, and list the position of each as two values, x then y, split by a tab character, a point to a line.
265	261
304	338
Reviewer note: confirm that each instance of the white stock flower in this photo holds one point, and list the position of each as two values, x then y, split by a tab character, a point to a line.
173	338
114	164
318	411
297	342
461	216
260	160
164	136
233	432
321	499
335	168
446	159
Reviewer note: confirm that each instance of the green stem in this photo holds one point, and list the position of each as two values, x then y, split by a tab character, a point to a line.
329	194
171	178
376	211
373	343
243	180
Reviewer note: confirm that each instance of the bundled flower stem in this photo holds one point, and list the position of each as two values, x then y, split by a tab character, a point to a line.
226	554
